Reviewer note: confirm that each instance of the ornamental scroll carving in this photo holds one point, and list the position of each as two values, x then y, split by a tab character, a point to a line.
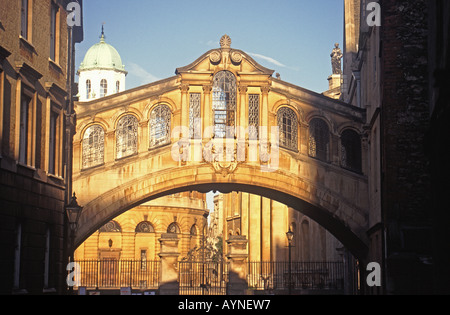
236	57
225	52
224	158
215	57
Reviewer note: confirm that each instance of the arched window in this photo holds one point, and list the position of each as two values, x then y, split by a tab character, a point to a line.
88	89
111	226
145	227
160	120
224	104
117	86
103	88
319	139
173	228
93	146
193	231
126	136
288	125
351	150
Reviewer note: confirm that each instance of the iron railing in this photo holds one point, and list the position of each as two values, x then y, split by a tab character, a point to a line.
210	278
203	278
110	273
302	276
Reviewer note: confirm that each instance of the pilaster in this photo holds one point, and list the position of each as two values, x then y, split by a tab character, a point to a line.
237	256
169	264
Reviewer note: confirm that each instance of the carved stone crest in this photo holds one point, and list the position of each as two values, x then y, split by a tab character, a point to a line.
225	41
223	158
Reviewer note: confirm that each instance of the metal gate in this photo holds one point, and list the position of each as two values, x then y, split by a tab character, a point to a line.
203	278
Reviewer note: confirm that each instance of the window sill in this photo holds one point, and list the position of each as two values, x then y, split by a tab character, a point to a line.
17	291
27	45
85	169
49	290
126	157
21	164
55	177
159	146
288	149
55	65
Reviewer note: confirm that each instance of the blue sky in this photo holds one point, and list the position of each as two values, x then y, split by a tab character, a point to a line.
154	37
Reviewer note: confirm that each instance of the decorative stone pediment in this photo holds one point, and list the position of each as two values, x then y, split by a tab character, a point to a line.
225	58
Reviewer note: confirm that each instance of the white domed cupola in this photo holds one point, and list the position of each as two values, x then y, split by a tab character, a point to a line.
101	73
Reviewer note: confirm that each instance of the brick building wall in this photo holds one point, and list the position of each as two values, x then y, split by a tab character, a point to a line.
437	137
405	179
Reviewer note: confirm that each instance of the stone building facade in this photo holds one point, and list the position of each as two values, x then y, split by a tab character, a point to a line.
35	88
395	69
135	234
265	223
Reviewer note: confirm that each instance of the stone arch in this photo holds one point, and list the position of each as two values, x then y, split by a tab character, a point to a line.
174	227
325	116
117	118
160	101
332	212
145	227
349	125
292	105
84	126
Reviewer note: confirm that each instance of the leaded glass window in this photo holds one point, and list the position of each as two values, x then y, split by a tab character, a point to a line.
288	125
319	139
351	150
253	116
111	226
160	119
126	136
145	227
173	228
93	146
224	104
194	116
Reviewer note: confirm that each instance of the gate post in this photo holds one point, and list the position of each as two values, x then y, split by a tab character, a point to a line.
169	264
237	256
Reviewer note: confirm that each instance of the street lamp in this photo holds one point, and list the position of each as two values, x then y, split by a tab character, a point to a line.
290	236
73	211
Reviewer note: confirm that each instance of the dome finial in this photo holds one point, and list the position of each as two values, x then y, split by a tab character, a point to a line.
102	37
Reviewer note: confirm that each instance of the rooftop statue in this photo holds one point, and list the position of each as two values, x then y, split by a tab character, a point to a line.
336	56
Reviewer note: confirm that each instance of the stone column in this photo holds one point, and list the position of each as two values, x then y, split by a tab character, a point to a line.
185	107
207	109
242	111
169	264
237	256
265	113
